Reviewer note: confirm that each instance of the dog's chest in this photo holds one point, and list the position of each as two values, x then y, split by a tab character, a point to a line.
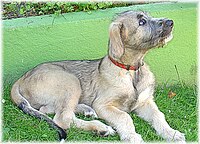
125	82
127	94
130	93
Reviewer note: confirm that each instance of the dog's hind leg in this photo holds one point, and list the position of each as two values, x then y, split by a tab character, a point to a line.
85	110
46	109
25	106
65	113
94	125
64	118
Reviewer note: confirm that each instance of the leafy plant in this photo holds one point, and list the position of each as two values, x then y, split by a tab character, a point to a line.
25	9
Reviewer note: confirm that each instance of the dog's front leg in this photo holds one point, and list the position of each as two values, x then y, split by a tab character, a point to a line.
120	120
150	112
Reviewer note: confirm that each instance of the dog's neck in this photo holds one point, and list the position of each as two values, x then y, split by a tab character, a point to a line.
133	57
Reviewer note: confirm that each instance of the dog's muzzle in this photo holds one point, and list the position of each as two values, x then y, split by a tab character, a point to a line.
167	27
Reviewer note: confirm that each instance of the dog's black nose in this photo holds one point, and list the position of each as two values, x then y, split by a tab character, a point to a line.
169	23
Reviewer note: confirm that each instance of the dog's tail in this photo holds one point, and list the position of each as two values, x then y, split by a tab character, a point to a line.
25	106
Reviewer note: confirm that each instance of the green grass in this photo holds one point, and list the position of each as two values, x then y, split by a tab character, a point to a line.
180	111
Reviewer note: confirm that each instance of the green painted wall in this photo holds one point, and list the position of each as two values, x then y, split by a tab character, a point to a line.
30	41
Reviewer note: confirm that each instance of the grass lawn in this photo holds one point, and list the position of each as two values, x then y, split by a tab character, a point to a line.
180	111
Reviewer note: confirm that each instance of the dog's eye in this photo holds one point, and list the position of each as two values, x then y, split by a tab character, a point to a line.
142	22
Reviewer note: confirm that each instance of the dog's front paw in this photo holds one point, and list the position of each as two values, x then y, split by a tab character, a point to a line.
134	139
176	136
137	139
179	137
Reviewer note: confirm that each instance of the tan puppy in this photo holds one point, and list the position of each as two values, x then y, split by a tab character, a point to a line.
112	86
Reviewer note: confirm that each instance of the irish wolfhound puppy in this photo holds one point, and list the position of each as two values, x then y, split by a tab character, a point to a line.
109	88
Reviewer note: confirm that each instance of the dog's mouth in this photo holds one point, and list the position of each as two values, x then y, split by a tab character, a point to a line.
166	34
165	37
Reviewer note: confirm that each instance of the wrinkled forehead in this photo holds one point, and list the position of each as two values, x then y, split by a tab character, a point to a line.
131	15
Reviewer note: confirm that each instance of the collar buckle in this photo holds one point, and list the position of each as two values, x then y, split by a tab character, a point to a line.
128	67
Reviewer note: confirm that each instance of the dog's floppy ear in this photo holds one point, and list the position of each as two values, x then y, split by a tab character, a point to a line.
116	48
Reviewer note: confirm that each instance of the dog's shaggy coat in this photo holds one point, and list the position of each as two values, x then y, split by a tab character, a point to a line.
100	87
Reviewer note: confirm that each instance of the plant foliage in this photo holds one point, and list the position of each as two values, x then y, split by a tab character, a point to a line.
25	9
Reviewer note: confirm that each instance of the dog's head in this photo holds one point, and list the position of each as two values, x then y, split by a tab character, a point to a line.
138	31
